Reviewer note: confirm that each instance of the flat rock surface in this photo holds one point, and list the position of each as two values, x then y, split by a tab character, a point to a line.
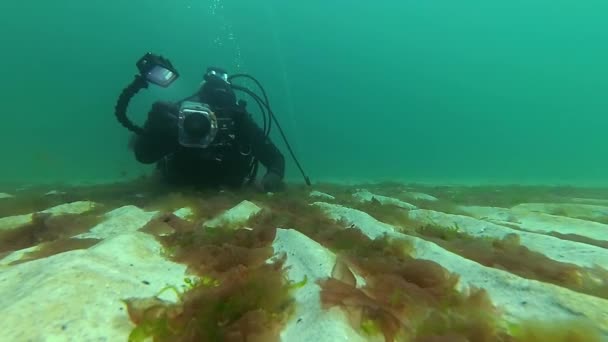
184	213
306	258
233	216
541	222
321	195
14	222
520	298
366	196
574	210
419	196
603	202
119	221
561	250
77	295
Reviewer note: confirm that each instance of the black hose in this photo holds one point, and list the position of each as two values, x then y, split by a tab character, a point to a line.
255	81
255	96
120	110
253	168
263	94
266	125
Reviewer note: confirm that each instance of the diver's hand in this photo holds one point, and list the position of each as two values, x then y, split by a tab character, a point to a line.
272	182
162	119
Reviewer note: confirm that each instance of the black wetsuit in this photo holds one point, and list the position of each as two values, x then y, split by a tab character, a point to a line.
227	165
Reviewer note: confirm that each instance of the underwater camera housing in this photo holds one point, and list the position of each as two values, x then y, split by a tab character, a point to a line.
197	124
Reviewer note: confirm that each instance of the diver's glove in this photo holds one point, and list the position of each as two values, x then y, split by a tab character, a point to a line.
162	120
273	182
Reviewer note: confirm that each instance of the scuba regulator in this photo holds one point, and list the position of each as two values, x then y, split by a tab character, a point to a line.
198	126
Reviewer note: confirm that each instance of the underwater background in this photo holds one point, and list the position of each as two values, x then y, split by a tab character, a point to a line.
439	91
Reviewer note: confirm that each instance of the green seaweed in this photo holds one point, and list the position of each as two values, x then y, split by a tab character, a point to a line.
296	285
235	295
370	327
573	330
236	292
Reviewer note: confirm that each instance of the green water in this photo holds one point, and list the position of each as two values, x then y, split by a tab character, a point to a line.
499	91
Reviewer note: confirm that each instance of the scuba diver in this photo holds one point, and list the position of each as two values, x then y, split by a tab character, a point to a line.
208	139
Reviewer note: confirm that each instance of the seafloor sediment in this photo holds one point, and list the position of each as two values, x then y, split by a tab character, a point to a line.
367	262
